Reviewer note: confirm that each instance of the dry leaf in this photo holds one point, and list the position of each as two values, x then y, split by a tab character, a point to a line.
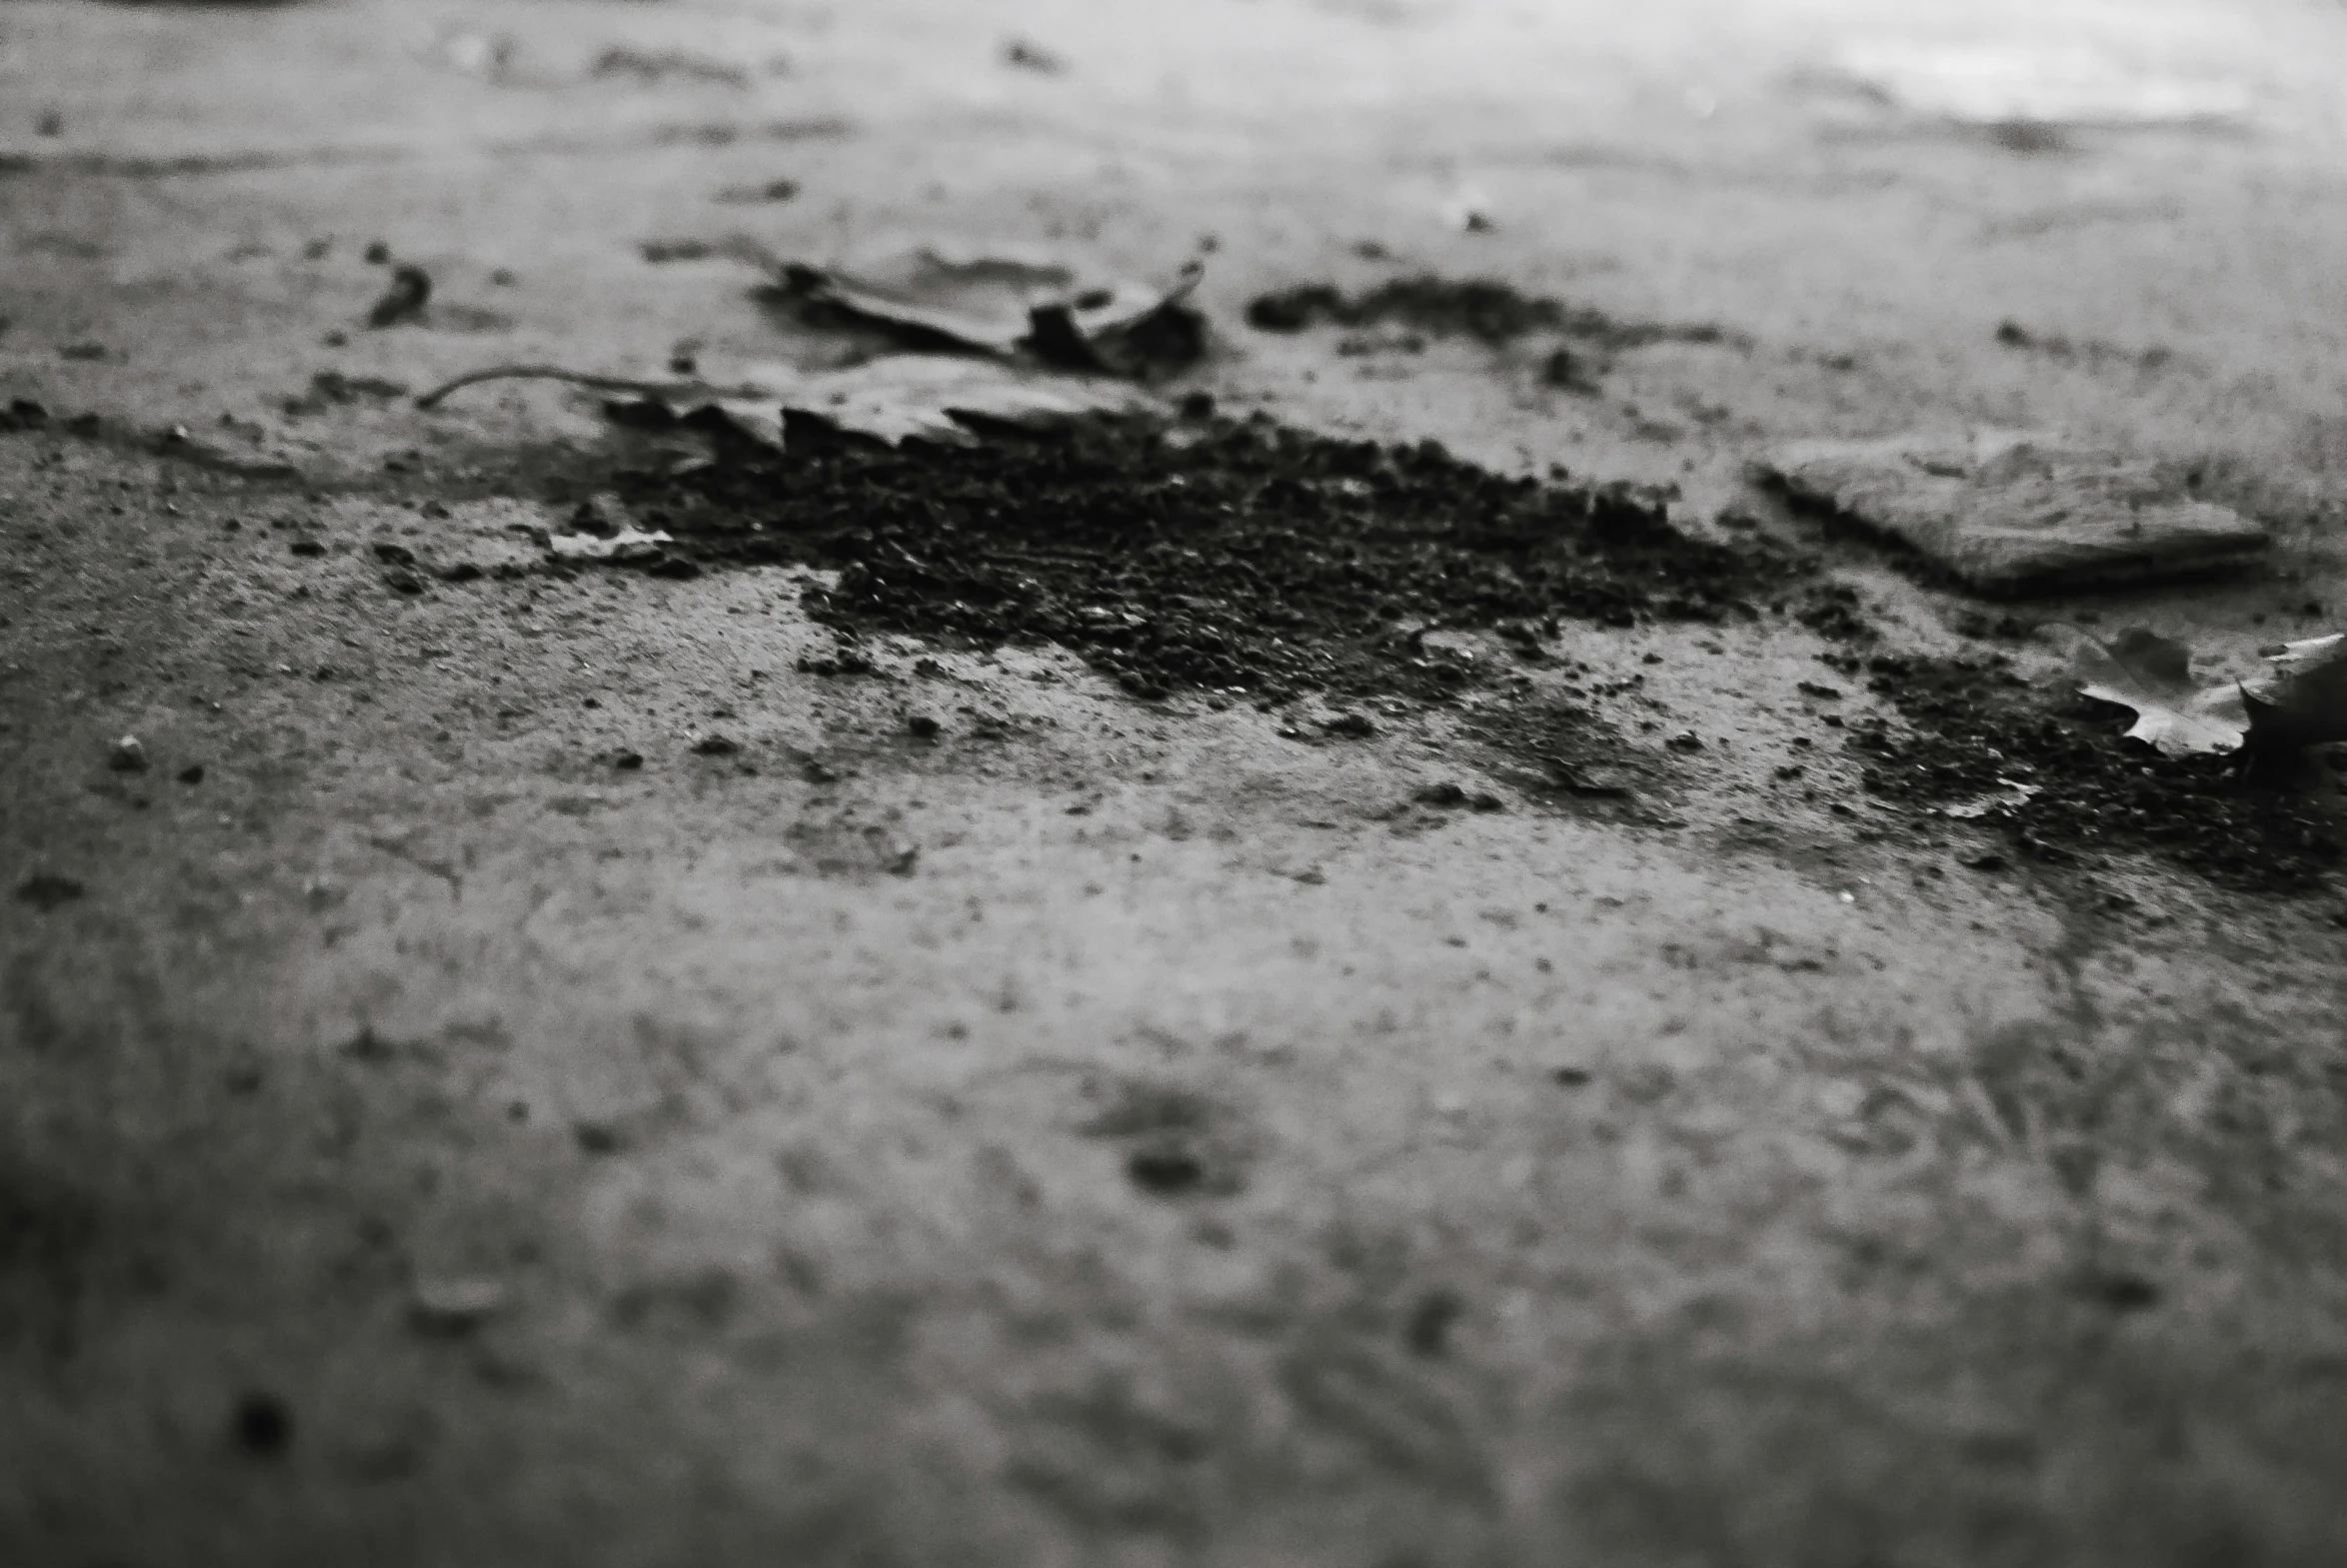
1004	304
931	399
2305	701
2143	670
936	300
934	398
627	545
2302	701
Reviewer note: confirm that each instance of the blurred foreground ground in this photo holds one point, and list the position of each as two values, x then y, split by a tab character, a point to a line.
422	1143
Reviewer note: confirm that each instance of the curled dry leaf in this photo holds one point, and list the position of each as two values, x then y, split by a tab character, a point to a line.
2301	701
2152	674
933	398
1004	305
2305	701
938	399
627	545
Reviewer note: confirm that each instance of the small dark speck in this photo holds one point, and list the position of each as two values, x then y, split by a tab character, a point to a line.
2123	1292
1429	1330
1166	1172
45	892
262	1425
1571	1077
596	1138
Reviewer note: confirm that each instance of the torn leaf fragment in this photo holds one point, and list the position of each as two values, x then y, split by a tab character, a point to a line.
2152	675
618	549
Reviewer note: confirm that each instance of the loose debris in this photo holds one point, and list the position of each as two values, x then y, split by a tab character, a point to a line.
2301	702
262	1425
2008	796
1491	312
23	414
1215	554
1025	56
1009	306
1973	730
46	891
2089	351
2305	702
731	248
1176	1144
625	546
404	300
1467	210
936	400
2152	675
648	67
332	389
2013	514
127	755
766	191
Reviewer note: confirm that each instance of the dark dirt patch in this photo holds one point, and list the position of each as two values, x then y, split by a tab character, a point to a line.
46	892
1484	309
1975	724
261	1425
1177	1143
1218	555
47	1234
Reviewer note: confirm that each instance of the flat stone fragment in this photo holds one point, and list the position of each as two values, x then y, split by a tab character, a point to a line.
2011	514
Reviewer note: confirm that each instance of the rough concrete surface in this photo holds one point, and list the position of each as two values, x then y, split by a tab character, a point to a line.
423	1141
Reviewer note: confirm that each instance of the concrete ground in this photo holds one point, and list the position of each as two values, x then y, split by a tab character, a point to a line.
422	1143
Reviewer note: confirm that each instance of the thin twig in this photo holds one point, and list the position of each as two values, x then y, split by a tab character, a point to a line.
577	378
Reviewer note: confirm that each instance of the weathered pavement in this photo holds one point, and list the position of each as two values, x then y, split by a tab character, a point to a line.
1736	1180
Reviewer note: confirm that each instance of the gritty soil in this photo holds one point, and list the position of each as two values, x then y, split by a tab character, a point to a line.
1485	309
1974	726
1216	554
1494	313
1248	558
